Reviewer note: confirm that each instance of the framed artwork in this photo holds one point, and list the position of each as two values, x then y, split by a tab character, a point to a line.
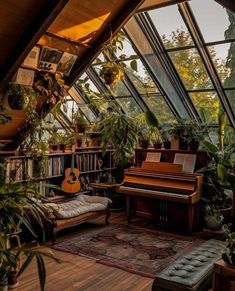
24	77
31	61
49	59
66	63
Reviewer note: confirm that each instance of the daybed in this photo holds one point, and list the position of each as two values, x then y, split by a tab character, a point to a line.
75	211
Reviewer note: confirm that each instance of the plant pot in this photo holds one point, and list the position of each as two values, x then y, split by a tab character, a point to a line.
167	145
53	147
17	101
214	221
194	145
78	143
144	143
61	147
226	212
183	145
79	128
68	148
229	259
12	279
157	145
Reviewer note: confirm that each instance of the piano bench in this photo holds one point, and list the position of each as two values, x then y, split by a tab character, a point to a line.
191	272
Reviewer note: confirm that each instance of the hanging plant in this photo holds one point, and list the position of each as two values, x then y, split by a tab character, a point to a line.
52	86
113	70
17	96
111	73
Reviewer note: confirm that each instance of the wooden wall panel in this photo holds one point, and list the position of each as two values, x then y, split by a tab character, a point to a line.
15	15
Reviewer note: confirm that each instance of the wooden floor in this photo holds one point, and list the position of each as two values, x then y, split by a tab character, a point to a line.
79	273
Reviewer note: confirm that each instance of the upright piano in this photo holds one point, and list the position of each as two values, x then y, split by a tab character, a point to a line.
162	192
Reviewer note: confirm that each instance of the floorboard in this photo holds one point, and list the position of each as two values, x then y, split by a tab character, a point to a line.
80	273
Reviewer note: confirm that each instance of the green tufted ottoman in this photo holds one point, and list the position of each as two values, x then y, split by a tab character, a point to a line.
191	272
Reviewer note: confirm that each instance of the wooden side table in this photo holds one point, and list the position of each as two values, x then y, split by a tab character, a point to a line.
223	277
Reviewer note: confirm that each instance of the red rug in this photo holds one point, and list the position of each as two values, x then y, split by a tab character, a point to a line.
134	250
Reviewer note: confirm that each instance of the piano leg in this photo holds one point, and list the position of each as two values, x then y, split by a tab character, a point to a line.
128	207
190	218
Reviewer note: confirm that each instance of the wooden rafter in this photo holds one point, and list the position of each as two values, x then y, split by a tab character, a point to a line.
113	27
29	38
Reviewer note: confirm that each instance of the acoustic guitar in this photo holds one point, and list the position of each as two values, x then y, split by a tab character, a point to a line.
71	184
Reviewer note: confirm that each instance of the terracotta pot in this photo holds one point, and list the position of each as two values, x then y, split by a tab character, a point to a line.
144	143
78	143
62	147
53	147
79	128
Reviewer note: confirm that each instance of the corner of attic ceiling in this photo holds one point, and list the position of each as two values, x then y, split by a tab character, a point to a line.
77	31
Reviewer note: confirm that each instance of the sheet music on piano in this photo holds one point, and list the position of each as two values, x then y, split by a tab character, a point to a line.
153	157
187	160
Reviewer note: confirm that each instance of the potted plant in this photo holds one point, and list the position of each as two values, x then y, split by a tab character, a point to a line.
229	253
213	217
79	122
148	127
113	71
156	139
119	132
18	96
166	138
19	206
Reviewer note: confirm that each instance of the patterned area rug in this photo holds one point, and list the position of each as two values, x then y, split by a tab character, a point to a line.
134	250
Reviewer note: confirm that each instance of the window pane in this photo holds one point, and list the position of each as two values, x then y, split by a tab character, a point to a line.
68	108
141	79
207	100
129	105
215	22
127	49
88	113
231	96
156	66
160	108
171	27
191	69
75	95
223	56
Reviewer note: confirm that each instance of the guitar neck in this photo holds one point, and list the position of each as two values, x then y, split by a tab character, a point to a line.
72	163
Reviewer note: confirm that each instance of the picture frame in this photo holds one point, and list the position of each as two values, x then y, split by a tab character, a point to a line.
31	61
49	59
66	63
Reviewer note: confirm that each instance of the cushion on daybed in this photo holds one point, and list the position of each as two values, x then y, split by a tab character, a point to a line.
79	205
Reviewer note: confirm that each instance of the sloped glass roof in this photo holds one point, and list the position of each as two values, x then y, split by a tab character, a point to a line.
183	65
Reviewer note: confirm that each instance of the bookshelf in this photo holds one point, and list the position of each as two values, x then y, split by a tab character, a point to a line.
91	162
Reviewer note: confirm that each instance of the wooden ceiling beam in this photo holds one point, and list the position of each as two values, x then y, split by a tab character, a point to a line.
68	40
30	37
229	4
153	4
114	26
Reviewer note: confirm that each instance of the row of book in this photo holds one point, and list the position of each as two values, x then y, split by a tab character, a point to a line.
24	169
89	162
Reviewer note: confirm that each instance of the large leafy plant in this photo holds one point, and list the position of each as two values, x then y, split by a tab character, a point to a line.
19	205
219	174
119	132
